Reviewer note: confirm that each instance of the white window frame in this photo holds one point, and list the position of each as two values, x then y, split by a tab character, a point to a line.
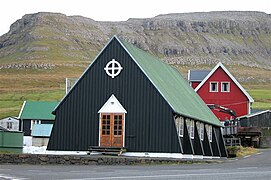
188	124
200	127
209	131
181	127
179	121
222	87
9	125
34	122
192	131
191	128
202	131
210	88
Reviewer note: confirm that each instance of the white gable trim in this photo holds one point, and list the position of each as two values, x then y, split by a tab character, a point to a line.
112	105
21	111
188	75
230	75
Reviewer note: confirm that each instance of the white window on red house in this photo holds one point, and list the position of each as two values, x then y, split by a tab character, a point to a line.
213	86
225	87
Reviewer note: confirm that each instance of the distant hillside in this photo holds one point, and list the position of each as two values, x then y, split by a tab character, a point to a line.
42	49
242	38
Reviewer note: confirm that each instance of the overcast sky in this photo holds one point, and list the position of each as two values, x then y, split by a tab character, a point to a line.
121	10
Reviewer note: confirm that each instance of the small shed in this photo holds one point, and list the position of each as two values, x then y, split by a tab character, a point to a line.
11	141
36	112
41	134
10	123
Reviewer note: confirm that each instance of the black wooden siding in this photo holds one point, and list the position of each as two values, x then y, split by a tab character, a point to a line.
215	145
186	141
197	142
149	124
26	127
260	120
206	144
221	144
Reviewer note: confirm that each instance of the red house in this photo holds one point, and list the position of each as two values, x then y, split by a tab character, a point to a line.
221	91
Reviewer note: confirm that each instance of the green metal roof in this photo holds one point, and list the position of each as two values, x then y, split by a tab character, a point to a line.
38	110
172	86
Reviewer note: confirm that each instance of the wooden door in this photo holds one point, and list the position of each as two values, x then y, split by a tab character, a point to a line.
111	130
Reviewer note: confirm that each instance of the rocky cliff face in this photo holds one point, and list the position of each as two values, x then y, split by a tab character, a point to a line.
242	38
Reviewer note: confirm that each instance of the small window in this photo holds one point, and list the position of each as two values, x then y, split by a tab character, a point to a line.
192	133
34	122
179	121
105	124
9	125
209	132
117	124
213	86
225	87
202	131
200	127
190	128
188	124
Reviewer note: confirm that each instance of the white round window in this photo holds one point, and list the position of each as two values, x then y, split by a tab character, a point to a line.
113	68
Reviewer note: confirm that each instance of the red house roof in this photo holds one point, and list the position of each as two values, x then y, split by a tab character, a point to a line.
230	75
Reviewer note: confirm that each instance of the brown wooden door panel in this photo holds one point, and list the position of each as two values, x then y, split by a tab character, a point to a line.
105	122
117	130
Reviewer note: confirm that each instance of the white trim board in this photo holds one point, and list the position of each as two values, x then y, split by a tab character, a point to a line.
167	155
21	111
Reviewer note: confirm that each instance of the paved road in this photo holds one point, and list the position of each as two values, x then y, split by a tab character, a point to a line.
257	166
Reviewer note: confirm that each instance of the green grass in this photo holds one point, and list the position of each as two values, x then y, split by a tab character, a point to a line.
262	98
18	85
261	94
49	85
240	151
11	103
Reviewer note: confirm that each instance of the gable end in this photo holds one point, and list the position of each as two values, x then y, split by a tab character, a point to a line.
231	77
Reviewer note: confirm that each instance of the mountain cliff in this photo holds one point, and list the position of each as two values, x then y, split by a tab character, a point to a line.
235	38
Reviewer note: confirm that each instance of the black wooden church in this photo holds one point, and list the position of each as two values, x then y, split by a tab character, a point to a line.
129	98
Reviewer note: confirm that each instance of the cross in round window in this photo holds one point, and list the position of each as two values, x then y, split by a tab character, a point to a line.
113	68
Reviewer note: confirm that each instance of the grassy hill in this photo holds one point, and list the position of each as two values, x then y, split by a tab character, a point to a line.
42	49
49	85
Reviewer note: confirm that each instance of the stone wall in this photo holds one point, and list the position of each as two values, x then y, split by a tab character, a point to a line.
86	160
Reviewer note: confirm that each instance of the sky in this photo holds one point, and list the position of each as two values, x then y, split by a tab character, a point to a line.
121	10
